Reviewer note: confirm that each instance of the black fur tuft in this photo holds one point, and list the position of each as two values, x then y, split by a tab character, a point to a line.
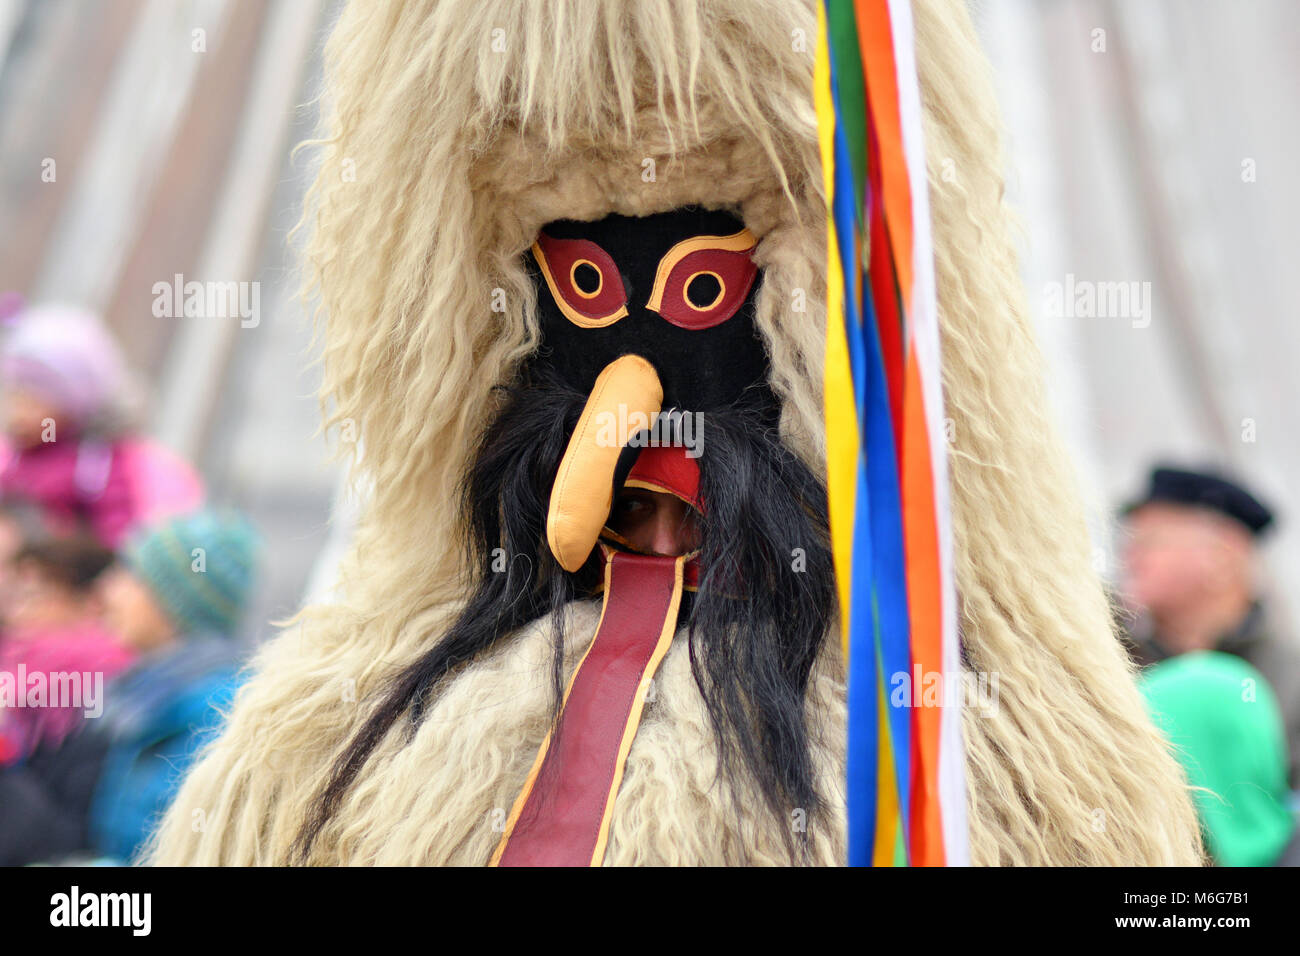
755	626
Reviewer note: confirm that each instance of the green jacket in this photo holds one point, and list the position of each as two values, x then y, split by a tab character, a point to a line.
1223	719
1256	641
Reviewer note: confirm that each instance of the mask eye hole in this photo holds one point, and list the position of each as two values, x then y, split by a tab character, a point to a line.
586	278
704	290
703	281
582	279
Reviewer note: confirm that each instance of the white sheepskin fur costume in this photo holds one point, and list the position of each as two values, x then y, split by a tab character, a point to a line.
452	131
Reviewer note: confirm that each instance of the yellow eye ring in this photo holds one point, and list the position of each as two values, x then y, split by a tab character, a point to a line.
573	280
722	290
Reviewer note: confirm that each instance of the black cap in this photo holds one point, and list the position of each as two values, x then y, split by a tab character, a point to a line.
1204	489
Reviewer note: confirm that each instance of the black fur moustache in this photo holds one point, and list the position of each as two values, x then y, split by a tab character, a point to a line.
755	627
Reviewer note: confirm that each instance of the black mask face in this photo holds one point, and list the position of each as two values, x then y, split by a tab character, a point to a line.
676	288
642	316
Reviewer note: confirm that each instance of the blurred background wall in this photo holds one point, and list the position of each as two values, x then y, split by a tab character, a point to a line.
1153	142
1150	142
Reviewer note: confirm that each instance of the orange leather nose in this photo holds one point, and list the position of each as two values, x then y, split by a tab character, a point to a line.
626	392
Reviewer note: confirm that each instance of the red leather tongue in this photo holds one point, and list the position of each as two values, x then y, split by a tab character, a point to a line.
561	818
668	468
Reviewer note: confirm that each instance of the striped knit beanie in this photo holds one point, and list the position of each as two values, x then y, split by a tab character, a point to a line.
201	567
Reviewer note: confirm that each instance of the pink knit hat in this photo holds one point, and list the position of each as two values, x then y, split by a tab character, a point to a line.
65	355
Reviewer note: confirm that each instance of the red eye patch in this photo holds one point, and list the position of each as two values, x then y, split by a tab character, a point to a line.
702	282
583	279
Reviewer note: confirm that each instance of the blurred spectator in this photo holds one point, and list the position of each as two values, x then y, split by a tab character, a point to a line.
68	445
20	522
1190	576
53	636
176	598
1222	717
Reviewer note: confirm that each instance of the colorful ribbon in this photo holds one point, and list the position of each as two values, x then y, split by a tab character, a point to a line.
886	445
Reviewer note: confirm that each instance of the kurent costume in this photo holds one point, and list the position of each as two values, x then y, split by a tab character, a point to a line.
535	228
